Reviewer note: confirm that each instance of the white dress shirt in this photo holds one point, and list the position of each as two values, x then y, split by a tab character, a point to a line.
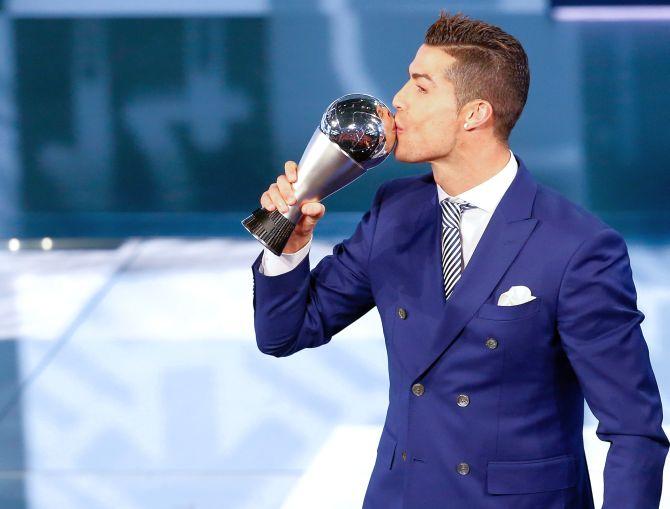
485	197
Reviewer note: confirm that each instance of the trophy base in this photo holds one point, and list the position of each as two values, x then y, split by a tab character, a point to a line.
271	229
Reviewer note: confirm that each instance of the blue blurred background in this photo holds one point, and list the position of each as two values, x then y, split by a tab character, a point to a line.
136	135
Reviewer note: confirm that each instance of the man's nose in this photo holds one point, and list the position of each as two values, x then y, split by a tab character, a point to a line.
398	103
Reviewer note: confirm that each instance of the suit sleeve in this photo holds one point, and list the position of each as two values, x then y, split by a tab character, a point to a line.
302	309
599	326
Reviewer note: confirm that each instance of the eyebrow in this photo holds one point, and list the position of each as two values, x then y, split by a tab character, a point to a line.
417	75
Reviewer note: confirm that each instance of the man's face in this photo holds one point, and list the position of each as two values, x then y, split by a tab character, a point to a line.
426	117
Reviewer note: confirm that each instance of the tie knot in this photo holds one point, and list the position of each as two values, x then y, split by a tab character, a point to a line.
452	208
456	204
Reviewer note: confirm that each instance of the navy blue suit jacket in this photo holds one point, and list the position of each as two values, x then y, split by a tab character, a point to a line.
526	369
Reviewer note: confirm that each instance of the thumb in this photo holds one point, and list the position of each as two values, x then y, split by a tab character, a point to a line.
312	213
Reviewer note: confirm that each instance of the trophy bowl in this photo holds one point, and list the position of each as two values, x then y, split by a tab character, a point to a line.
356	133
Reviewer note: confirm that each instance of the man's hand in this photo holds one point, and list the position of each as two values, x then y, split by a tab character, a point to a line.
280	195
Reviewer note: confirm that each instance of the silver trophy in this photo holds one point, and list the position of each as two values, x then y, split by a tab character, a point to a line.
357	132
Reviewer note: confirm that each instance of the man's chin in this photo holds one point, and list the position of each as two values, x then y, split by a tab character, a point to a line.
405	158
400	156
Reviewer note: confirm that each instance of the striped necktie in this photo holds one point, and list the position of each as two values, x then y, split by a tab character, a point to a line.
452	252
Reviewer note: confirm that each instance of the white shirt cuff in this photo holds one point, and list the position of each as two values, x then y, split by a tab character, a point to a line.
273	265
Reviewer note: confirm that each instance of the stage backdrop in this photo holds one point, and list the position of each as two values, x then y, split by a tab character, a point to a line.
129	121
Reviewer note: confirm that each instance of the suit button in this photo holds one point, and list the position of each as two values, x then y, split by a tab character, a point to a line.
463	468
404	455
402	313
463	400
418	389
492	343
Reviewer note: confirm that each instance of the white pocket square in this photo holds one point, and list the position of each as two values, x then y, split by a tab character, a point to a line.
515	296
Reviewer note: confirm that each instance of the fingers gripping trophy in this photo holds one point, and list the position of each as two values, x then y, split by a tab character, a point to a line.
357	132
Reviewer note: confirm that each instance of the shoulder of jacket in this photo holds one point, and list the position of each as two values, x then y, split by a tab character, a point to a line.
570	220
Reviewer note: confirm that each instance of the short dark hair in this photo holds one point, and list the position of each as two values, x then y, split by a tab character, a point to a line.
490	65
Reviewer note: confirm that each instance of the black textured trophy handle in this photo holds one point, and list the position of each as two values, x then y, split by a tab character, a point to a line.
272	229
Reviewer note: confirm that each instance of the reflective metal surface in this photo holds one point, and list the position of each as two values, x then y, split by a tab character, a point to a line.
323	169
362	126
357	132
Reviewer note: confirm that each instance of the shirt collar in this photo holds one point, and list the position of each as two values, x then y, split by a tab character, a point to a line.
488	194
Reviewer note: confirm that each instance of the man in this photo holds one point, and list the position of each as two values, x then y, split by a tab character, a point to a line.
503	305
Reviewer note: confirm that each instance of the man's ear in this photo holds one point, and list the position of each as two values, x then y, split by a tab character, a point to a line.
478	112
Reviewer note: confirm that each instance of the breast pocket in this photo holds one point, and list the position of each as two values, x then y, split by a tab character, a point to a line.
494	312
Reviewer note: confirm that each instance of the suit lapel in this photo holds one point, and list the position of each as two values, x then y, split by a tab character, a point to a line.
507	231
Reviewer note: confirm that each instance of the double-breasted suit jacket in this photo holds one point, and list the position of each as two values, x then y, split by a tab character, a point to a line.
486	402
